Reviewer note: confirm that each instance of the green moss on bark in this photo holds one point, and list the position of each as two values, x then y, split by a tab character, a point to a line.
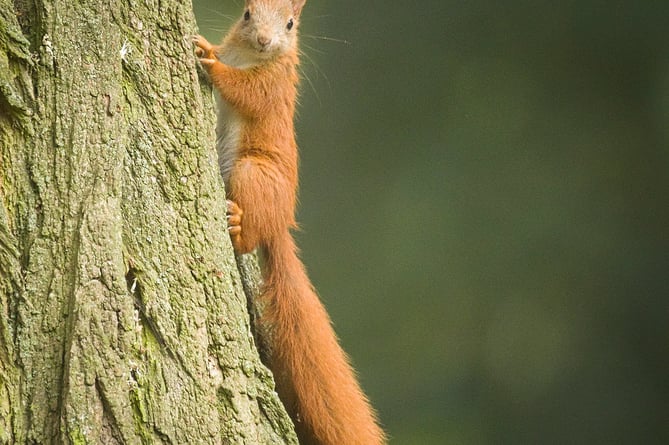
122	314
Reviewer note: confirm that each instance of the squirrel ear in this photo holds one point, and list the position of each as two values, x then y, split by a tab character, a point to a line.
297	6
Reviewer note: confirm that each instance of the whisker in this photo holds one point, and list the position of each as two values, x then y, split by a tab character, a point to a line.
221	30
329	39
319	70
220	14
311	48
303	74
323	16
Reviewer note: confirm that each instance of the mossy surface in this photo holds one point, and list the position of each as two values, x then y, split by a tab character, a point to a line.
123	318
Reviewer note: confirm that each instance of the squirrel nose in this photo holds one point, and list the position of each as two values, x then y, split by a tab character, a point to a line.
263	40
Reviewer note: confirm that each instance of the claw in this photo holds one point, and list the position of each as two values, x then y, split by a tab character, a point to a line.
202	43
233	208
204	51
234	216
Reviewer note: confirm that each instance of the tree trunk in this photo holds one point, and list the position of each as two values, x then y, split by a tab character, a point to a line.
123	317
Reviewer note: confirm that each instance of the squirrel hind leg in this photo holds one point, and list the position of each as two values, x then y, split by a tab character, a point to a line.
235	214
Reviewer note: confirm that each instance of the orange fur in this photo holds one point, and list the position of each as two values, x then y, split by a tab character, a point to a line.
314	378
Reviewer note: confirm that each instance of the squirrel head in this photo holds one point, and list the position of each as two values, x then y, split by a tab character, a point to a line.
268	28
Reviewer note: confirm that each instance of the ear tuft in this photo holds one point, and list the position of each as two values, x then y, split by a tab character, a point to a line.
297	6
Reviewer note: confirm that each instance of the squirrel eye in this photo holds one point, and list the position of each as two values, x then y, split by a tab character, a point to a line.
247	15
290	24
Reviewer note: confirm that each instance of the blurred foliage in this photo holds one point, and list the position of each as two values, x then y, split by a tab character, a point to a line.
485	212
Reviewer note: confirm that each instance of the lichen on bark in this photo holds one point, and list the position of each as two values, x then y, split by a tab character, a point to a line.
123	317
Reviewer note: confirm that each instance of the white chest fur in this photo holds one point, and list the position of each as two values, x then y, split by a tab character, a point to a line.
228	131
229	124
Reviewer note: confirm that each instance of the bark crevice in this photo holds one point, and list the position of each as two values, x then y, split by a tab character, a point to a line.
122	316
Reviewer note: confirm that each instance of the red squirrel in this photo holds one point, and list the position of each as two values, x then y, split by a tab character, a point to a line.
254	73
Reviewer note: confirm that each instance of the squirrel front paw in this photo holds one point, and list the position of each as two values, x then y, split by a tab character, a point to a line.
205	51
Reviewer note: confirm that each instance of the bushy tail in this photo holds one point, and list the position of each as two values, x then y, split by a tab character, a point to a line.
314	378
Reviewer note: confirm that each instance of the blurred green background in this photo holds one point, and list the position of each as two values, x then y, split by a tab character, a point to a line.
485	212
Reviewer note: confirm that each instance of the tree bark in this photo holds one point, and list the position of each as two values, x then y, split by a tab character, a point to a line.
123	317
